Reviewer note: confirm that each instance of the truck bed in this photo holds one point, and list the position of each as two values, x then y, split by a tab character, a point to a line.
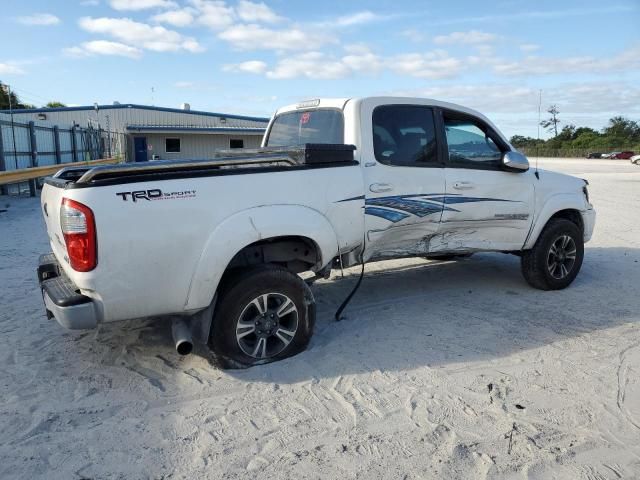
237	161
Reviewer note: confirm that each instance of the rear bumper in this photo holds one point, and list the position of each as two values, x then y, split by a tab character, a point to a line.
62	299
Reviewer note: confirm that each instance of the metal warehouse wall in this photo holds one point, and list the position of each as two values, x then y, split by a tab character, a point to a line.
122	116
194	146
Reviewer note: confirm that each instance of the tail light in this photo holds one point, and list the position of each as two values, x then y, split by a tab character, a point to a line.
79	230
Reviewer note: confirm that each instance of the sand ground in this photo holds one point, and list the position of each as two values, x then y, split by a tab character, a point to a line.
441	370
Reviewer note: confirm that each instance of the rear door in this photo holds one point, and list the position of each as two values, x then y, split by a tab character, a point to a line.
404	179
486	207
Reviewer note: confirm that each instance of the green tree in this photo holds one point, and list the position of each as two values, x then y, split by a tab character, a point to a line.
55	104
619	133
551	124
567	133
10	100
582	130
622	131
589	140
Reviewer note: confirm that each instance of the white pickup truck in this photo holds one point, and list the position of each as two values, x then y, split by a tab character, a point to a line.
218	245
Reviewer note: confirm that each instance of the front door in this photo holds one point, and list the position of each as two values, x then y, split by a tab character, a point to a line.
404	180
486	207
140	148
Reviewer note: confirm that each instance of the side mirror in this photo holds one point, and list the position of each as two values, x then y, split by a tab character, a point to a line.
515	162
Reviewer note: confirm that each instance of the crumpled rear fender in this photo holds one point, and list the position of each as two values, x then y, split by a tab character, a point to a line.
249	226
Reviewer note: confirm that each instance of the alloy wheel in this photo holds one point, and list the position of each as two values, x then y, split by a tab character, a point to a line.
561	257
267	325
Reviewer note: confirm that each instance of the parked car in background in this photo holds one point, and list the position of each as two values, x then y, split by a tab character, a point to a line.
623	155
635	159
610	155
595	155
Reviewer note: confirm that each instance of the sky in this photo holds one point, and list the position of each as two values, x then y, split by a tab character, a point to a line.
250	57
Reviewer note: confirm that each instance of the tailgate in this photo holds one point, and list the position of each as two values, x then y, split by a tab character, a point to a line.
51	201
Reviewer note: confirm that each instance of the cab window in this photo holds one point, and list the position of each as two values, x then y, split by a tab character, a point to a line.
404	135
307	126
470	144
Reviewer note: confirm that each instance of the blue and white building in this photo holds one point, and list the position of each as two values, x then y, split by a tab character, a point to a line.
158	132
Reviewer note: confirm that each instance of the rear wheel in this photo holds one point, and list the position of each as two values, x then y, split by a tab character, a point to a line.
556	258
264	314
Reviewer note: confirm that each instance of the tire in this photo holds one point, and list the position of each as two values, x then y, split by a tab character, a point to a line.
264	314
448	256
556	258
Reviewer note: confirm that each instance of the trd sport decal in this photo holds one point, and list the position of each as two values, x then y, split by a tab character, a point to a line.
155	194
398	207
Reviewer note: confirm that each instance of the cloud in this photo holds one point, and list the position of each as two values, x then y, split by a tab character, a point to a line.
357	18
515	107
251	66
184	84
10	69
354	19
318	65
472	37
573	98
178	18
217	15
413	35
529	47
627	60
256	12
90	3
256	37
315	65
141	4
434	65
359	58
155	38
214	14
104	47
40	19
543	14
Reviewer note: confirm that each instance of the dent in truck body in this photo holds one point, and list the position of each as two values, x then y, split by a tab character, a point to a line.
249	226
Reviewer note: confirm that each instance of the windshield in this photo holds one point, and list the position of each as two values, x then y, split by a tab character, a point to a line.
310	126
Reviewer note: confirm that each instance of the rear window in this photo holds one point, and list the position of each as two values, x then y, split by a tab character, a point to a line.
310	126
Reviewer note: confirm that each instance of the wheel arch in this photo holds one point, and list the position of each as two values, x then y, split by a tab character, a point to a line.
564	206
268	230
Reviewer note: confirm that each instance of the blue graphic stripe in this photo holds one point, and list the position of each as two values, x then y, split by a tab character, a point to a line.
390	215
458	199
398	207
360	197
415	207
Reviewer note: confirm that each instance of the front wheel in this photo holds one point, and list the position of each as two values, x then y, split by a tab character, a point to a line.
264	314
556	258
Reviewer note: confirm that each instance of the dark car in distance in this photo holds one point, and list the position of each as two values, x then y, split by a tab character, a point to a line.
594	155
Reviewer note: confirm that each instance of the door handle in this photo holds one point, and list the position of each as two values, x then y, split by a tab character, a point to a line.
462	185
380	187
